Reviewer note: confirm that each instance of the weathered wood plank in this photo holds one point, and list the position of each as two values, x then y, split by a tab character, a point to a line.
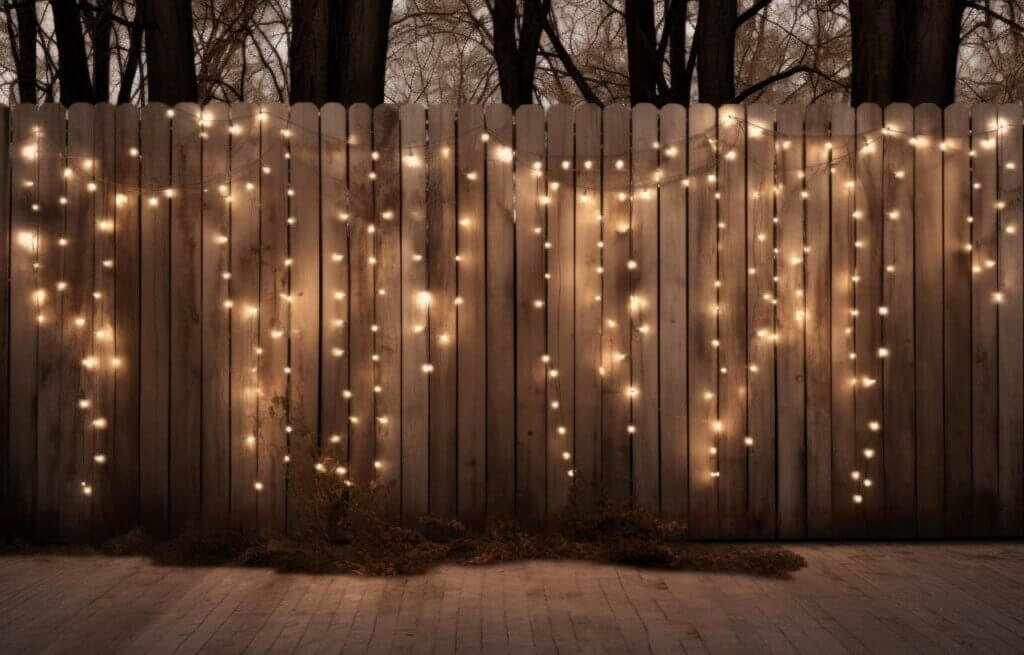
266	191
363	257
733	356
532	363
215	428
441	280
240	192
790	317
818	312
702	329
671	328
334	265
501	314
304	241
561	293
615	356
643	303
154	319
7	192
50	162
928	269
869	226
416	307
470	313
846	514
1011	319
896	314
956	331
186	371
388	311
984	320
109	362
80	230
760	128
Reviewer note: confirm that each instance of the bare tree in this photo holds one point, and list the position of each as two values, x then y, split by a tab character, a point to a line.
308	54
73	65
517	61
170	54
359	48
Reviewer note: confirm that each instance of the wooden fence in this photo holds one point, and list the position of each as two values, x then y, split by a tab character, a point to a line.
769	322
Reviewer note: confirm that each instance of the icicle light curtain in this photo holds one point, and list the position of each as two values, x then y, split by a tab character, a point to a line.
768	322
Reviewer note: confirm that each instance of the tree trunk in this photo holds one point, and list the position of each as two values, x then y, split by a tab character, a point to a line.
929	72
359	45
131	65
101	29
715	41
642	51
28	26
517	60
170	55
308	51
874	33
905	50
680	77
72	64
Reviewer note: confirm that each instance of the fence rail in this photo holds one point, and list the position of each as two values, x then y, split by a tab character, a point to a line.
770	322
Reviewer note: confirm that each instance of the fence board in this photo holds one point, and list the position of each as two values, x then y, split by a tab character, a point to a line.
760	262
471	312
671	329
984	321
240	192
702	376
561	305
928	267
791	309
642	302
415	345
956	184
441	276
897	323
304	239
50	183
818	333
363	257
532	369
186	319
732	321
154	319
501	316
615	398
869	232
216	262
266	193
125	465
389	306
1011	319
7	192
76	302
334	266
104	169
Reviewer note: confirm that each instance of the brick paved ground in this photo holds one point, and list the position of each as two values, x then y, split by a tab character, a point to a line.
851	598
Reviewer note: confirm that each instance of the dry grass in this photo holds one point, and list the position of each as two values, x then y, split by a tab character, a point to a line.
359	538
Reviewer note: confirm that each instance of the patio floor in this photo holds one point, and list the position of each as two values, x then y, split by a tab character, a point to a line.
851	598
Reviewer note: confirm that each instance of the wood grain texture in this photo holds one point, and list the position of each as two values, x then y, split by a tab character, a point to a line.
672	325
6	195
154	320
561	290
501	315
956	199
533	366
441	282
415	345
186	350
471	311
